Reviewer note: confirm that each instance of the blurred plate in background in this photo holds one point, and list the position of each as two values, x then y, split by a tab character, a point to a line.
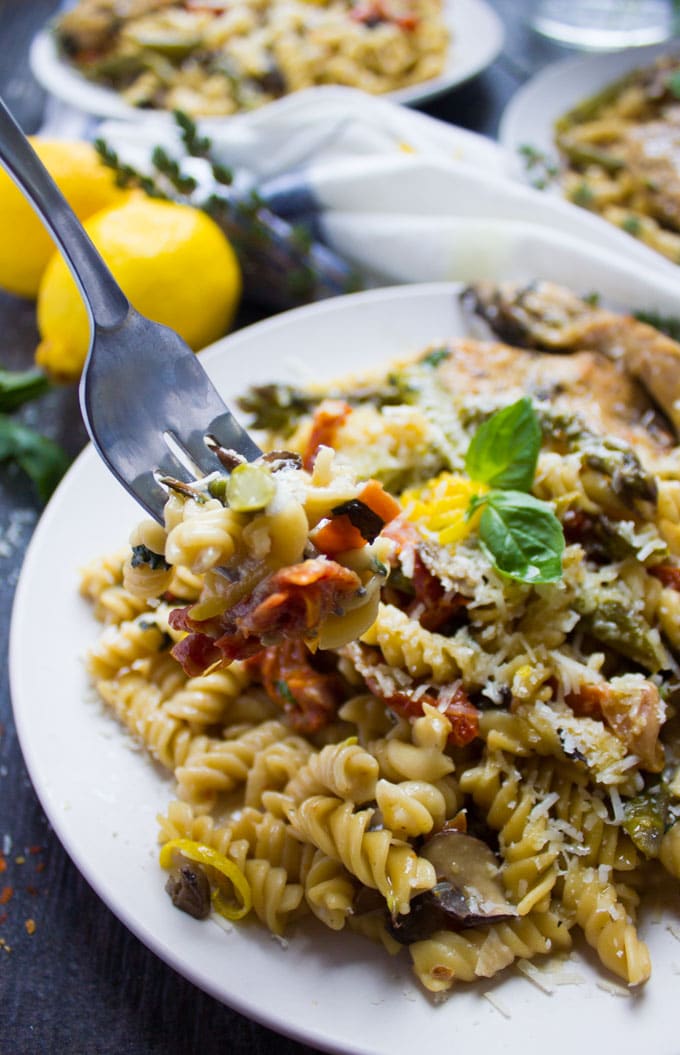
530	115
476	32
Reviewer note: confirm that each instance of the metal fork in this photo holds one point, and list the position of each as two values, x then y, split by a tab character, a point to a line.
148	404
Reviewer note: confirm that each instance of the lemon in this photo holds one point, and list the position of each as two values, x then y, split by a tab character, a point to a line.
172	261
26	246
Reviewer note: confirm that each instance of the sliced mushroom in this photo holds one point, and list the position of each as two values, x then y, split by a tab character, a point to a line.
189	890
469	890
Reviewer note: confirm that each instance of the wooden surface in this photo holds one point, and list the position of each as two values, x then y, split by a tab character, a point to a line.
81	984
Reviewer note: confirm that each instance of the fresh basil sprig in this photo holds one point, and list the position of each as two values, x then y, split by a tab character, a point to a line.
521	536
519	533
504	450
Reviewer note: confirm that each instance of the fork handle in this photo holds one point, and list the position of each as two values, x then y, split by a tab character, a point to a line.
106	302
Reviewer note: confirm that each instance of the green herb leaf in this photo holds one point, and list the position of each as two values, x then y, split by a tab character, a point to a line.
283	689
504	450
668	324
20	386
673	84
632	225
522	536
435	357
43	460
143	555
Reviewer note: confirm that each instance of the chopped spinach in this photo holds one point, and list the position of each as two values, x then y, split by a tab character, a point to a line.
143	555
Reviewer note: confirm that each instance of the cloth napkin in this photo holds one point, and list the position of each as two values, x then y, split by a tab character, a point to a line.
407	198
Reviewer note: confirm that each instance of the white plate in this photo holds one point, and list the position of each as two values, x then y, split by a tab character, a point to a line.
477	37
530	115
335	991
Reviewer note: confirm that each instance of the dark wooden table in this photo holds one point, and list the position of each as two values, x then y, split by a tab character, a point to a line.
80	983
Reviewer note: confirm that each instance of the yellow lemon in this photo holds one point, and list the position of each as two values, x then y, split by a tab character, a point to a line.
25	245
172	261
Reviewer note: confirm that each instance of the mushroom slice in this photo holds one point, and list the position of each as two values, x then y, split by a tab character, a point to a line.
469	890
189	889
469	886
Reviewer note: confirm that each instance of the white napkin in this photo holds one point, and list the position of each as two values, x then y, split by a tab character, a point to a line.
408	198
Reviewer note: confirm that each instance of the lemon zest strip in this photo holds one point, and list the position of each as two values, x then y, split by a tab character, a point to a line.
205	855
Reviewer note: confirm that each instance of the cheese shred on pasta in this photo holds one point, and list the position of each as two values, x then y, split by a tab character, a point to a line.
336	759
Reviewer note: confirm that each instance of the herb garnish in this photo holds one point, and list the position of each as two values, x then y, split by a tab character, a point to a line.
668	324
435	357
542	169
141	554
673	84
284	691
520	534
41	458
504	450
282	263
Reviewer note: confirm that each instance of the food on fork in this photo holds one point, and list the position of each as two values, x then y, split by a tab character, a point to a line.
285	553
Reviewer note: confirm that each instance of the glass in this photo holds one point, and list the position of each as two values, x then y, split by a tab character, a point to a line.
606	24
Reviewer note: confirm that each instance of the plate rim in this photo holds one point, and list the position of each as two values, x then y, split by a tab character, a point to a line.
65	83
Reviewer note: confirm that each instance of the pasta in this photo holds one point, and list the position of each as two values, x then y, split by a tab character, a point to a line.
215	60
616	155
484	766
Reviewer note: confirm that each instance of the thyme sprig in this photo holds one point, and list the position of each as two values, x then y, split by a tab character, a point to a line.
282	264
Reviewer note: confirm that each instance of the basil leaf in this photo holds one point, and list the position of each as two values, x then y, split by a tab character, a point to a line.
522	536
43	459
19	386
504	450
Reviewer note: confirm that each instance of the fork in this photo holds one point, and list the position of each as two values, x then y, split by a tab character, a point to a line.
149	407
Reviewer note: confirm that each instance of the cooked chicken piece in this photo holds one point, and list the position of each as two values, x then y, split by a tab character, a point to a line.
586	383
545	316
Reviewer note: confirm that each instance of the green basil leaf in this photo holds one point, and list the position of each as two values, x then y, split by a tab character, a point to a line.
504	450
42	458
522	536
19	386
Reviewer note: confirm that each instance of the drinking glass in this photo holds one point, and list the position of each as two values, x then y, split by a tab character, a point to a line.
606	24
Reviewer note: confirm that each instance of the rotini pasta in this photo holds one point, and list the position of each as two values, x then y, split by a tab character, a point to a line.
468	754
270	50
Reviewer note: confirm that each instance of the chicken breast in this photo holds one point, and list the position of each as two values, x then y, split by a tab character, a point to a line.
619	370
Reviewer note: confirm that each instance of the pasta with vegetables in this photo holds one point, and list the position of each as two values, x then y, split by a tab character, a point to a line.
618	152
415	671
215	59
